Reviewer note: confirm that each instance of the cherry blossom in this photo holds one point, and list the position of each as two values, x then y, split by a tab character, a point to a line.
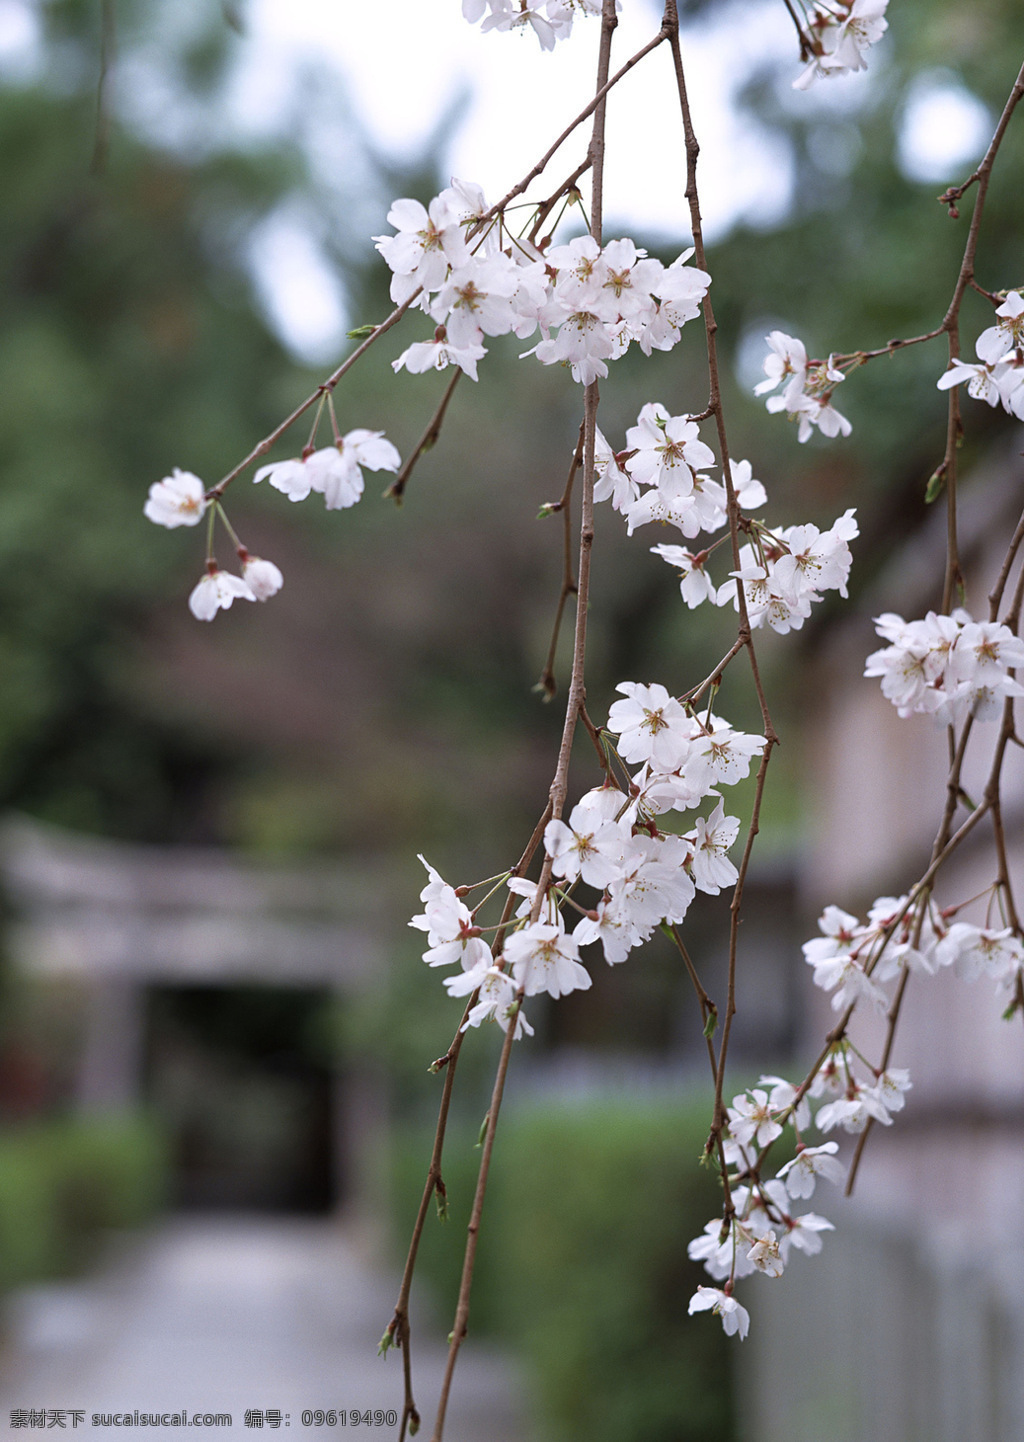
810	1163
216	591
590	846
712	838
840	33
497	999
541	957
665	445
751	1120
427	243
178	500
695	585
438	355
946	666
263	577
335	471
735	1319
650	724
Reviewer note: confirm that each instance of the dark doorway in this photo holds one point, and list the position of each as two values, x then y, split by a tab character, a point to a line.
240	1077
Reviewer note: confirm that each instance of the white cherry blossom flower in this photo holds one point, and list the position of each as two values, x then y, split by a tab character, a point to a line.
804	1233
890	1087
665	445
583	342
612	926
1008	332
590	847
786	362
497	1000
852	1112
695	585
751	1119
335	471
427	243
712	838
750	493
810	1163
541	958
178	500
781	1098
654	886
735	1319
611	482
216	591
765	1255
263	577
439	354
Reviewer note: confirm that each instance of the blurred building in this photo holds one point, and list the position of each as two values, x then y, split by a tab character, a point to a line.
207	990
910	1325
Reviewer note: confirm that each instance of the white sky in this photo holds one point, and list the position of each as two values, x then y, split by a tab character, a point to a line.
405	62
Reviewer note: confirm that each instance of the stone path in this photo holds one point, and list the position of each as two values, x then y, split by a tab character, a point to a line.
229	1315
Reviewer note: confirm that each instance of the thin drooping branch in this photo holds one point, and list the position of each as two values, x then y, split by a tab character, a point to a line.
547	684
547	206
671	22
398	1330
427	440
995	598
263	446
108	50
953	581
577	695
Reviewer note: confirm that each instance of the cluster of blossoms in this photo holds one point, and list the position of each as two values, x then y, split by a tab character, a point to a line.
998	379
763	1227
838	33
784	571
946	666
807	387
334	472
853	961
550	20
645	876
588	301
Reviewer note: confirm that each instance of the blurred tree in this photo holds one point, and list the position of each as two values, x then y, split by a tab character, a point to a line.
129	324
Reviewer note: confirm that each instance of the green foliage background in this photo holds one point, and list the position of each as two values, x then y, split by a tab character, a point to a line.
606	1195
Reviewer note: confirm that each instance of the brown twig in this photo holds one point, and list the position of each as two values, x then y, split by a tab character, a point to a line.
396	490
670	22
556	798
995	597
108	51
547	206
953	580
546	683
263	446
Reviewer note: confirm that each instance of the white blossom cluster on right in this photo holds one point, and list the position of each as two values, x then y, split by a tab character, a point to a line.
854	960
947	666
998	378
762	1225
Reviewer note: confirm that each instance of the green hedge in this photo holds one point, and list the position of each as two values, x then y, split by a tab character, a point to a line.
583	1270
64	1182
